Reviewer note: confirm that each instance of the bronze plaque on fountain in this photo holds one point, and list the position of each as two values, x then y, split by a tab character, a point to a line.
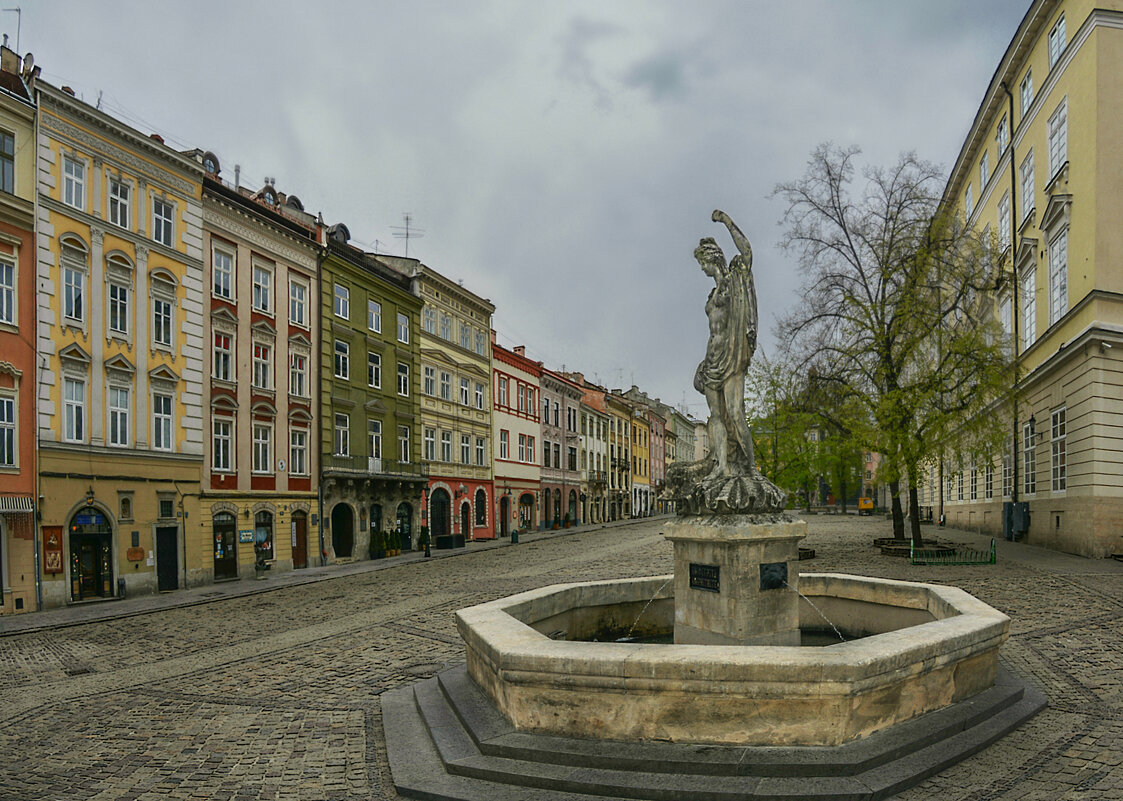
705	577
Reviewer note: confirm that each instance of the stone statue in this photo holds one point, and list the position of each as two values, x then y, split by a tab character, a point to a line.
727	481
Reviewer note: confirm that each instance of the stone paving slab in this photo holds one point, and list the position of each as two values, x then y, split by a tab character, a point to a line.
276	694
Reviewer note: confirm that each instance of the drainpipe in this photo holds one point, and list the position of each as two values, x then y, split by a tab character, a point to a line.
1015	290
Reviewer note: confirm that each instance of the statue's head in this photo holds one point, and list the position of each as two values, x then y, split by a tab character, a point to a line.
709	256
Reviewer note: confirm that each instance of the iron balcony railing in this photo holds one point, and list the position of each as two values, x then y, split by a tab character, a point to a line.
370	465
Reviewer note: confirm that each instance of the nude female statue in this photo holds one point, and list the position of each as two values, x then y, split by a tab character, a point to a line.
731	309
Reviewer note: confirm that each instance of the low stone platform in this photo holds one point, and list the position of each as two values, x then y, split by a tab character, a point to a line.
446	741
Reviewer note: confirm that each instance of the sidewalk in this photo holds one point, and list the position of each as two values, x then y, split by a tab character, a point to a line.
91	611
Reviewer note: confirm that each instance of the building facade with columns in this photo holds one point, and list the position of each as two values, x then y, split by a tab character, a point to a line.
120	339
262	460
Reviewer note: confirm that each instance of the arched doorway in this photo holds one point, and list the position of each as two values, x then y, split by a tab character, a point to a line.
263	535
405	525
466	520
526	511
557	506
481	507
439	514
342	530
573	506
547	520
225	527
91	555
300	539
504	516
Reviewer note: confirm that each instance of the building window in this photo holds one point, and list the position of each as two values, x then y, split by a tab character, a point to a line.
298	296
481	507
446	446
522	447
1028	191
262	288
1056	41
162	422
118	307
162	222
374	438
984	170
403	328
1004	222
262	354
403	444
465	336
374	370
545	453
974	482
1006	317
573	459
118	203
1029	308
968	203
222	269
374	316
988	482
1059	435
7	163
446	386
222	369
959	485
73	293
403	379
74	183
464	391
298	375
481	343
1058	277
342	360
446	327
342	306
118	416
522	398
481	455
220	448
429	380
1029	458
7	432
7	293
465	449
479	395
342	435
429	320
74	410
1027	92
1058	139
262	448
503	392
429	442
162	322
1002	137
298	452
504	444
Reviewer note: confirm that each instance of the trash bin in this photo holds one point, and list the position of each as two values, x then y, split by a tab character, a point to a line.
120	588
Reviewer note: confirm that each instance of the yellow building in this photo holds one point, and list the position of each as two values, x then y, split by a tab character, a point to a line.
120	314
1040	169
641	461
619	457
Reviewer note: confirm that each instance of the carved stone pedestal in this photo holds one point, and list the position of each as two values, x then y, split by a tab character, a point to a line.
736	578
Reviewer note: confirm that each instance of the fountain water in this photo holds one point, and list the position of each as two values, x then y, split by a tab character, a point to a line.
818	610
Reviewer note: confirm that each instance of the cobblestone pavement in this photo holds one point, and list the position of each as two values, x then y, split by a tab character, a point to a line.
276	695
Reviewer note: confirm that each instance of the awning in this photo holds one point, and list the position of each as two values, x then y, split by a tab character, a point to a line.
16	503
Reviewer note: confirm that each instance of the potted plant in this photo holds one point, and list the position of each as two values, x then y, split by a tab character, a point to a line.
377	545
567	522
396	543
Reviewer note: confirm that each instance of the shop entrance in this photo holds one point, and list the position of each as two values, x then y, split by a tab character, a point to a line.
504	516
91	556
526	511
299	539
167	558
342	530
466	520
225	546
405	515
439	512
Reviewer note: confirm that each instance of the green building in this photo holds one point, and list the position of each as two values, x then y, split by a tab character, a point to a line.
372	476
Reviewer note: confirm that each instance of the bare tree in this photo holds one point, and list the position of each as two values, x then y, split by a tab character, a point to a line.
896	311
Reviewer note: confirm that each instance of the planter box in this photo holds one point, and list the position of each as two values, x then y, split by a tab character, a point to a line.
458	540
444	542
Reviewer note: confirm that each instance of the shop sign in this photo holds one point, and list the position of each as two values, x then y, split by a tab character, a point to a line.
245	535
52	549
89	519
135	554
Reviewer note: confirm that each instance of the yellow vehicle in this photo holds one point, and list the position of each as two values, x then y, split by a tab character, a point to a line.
865	506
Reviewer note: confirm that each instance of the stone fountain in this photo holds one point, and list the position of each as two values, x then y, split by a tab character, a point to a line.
735	707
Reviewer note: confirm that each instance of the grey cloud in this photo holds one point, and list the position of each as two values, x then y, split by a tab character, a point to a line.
662	75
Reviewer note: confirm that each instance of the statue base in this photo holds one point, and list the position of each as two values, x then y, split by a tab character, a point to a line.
697	493
736	579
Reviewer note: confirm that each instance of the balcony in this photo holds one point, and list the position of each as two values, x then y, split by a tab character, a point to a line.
371	466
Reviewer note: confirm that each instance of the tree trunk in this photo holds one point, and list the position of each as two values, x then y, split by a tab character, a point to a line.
807	495
914	511
898	515
842	483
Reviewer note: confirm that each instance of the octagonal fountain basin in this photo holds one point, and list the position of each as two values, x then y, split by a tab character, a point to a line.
911	649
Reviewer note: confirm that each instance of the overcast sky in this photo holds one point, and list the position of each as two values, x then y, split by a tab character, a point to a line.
562	158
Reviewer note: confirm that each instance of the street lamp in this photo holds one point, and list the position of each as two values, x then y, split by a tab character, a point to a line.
425	520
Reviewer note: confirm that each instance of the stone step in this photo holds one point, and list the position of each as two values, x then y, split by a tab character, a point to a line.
446	740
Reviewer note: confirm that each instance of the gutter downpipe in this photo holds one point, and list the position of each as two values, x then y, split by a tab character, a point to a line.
1015	289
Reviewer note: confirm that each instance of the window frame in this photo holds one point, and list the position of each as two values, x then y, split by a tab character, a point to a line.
298	453
403	379
163	227
222	444
1057	137
118	203
1058	450
374	316
163	425
262	288
341	301
1058	276
9	430
227	291
117	415
403	328
74	182
298	303
74	410
262	360
223	356
374	369
341	360
262	455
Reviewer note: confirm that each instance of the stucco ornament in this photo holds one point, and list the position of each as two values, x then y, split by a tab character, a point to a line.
727	481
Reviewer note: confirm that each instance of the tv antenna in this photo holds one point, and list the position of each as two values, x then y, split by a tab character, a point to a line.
19	18
407	231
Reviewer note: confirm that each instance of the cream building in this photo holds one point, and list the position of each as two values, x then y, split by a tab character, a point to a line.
516	443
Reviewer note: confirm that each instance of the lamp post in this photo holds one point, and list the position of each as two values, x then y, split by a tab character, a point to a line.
425	521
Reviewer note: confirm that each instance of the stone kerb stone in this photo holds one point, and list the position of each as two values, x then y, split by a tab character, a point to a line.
759	695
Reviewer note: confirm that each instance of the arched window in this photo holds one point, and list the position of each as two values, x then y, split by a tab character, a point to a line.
263	533
481	507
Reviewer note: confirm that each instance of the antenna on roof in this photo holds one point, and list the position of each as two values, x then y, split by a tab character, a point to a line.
19	18
407	232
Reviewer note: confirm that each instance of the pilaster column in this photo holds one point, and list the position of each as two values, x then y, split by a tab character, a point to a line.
142	344
95	303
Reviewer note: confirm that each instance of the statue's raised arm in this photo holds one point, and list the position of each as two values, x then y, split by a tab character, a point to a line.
739	239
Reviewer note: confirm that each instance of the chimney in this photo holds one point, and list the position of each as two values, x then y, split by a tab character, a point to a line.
493	337
157	137
69	91
520	350
9	61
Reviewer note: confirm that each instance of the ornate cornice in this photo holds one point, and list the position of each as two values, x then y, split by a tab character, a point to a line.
306	259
